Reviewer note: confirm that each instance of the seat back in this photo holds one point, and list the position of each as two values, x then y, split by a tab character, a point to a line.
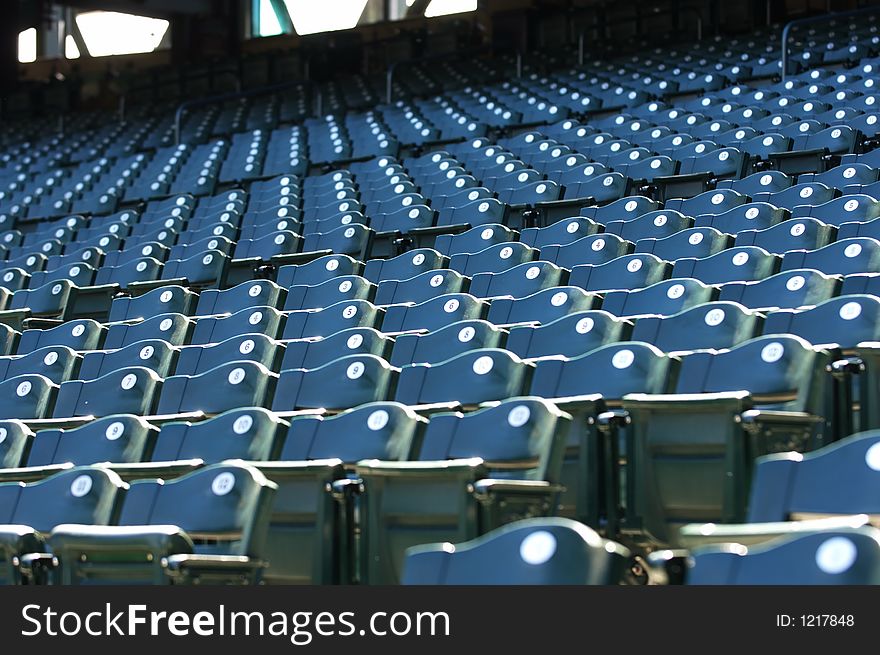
223	508
845	557
539	551
252	434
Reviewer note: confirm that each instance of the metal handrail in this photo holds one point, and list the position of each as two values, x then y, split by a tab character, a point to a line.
874	9
223	97
389	74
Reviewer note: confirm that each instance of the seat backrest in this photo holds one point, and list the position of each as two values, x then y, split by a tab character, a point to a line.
344	382
539	551
435	313
842	257
388	431
237	383
405	266
520	438
793	486
173	328
26	397
663	298
172	299
611	371
778	371
470	378
845	321
251	433
118	438
130	390
844	556
224	508
713	325
543	306
446	342
84	495
318	270
16	440
255	293
332	319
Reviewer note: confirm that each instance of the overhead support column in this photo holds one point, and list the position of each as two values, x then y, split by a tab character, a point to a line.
9	29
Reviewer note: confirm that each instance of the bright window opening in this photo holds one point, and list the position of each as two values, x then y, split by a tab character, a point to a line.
269	25
71	51
310	17
111	33
445	7
27	46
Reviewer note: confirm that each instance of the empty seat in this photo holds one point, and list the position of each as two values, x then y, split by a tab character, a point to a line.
559	233
537	551
780	377
789	289
349	287
55	363
713	325
696	242
251	433
595	249
209	526
739	264
173	299
302	546
626	272
314	352
81	334
447	342
570	335
470	378
335	318
840	556
653	225
791	492
238	383
317	271
518	281
799	234
251	320
174	329
155	354
134	391
256	293
663	298
433	314
494	259
121	438
858	255
84	495
405	266
345	382
751	216
483	457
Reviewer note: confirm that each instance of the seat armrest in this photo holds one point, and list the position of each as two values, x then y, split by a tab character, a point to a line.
187	568
693	535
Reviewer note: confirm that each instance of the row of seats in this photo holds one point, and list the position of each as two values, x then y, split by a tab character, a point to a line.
179	531
621	293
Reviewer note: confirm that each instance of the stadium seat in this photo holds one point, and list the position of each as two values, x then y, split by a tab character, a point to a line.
31	512
207	527
776	383
540	551
475	472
